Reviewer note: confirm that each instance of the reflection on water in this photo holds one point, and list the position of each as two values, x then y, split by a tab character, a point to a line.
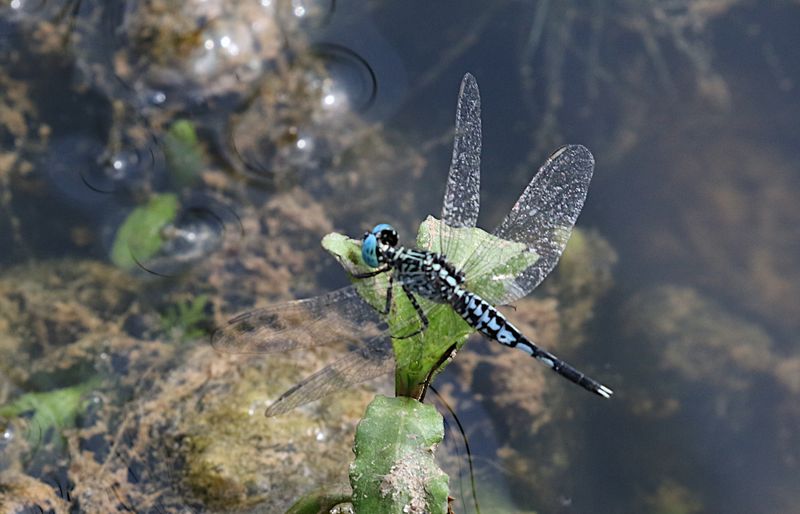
165	164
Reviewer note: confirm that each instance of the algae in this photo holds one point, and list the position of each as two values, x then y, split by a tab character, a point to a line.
50	412
187	318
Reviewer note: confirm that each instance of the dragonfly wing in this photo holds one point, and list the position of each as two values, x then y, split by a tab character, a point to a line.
543	217
373	359
462	193
370	359
340	315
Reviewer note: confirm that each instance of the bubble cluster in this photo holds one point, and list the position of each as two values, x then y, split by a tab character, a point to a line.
188	51
293	126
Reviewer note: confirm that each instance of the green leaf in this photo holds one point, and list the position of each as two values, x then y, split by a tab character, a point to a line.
417	357
394	469
139	236
183	152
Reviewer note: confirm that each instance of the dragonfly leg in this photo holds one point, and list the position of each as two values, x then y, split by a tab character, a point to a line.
422	317
388	306
371	274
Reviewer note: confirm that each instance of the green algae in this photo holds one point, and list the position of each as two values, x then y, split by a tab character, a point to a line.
50	412
187	319
237	458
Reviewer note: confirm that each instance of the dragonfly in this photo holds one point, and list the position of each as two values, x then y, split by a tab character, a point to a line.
468	282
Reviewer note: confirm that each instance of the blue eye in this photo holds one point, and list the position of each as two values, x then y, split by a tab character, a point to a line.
369	250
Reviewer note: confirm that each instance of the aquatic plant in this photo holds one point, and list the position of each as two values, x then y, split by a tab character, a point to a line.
183	152
187	318
139	237
394	447
49	412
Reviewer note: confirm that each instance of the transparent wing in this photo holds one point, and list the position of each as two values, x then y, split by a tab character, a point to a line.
373	359
462	192
542	219
340	315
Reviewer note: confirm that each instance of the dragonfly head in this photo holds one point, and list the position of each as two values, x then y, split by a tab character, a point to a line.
375	242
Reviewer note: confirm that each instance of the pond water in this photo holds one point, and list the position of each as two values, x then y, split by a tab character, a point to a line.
166	165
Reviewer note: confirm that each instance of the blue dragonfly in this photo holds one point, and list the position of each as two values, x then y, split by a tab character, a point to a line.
455	271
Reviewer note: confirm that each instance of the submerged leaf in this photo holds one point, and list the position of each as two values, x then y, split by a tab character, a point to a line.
183	152
50	411
139	237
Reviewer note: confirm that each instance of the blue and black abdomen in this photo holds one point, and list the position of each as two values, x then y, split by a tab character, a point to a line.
429	275
492	323
484	318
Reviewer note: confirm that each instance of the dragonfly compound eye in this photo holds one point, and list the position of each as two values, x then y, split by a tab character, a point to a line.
369	250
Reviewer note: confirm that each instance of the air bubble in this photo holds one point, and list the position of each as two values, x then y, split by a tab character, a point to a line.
187	52
307	13
126	168
294	126
82	168
198	231
7	436
348	82
294	152
158	97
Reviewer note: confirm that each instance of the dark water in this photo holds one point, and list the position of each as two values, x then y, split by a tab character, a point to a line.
686	304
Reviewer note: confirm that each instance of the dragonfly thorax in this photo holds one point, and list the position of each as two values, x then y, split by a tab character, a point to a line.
427	274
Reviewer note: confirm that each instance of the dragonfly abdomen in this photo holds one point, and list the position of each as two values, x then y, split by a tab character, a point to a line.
484	318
